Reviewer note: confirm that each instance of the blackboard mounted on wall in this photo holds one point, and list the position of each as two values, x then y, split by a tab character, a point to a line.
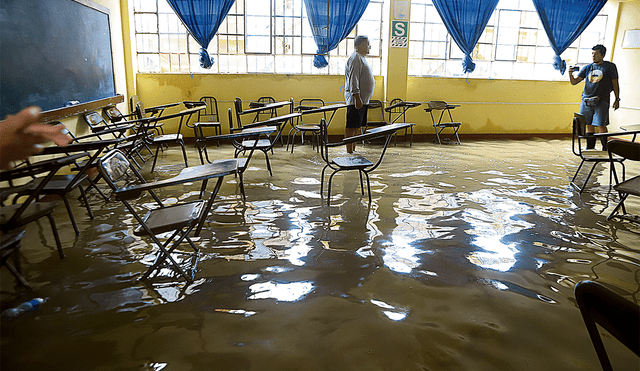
52	53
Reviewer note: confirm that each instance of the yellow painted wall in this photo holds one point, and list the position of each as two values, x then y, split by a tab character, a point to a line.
489	106
628	63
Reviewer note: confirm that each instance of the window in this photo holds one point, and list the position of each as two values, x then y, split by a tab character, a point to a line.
514	44
257	36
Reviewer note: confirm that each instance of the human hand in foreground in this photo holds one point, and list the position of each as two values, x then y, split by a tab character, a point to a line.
21	136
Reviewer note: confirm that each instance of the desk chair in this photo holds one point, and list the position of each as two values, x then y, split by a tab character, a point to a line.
99	125
617	315
594	157
180	219
10	248
628	151
399	112
261	116
62	185
362	164
439	126
302	127
377	120
242	145
117	117
207	118
17	216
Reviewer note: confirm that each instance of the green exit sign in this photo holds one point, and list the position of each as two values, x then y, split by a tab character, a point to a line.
400	28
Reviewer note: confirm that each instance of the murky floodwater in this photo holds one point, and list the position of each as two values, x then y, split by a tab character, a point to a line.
465	260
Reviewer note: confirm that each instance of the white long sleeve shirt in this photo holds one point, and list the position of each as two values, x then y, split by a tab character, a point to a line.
358	79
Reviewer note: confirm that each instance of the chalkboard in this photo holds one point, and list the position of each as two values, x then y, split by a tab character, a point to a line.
53	52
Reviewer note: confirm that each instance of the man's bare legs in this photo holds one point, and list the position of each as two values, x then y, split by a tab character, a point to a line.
350	132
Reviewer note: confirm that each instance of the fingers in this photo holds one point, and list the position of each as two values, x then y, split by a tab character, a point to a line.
57	133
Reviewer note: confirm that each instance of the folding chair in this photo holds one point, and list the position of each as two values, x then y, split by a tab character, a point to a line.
375	106
179	219
617	315
362	164
438	105
10	248
61	185
398	107
630	187
207	118
302	127
99	125
18	215
590	156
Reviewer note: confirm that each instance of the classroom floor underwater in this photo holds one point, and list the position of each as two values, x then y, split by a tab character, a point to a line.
466	259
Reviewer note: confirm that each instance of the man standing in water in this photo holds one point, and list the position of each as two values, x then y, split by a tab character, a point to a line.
358	88
601	78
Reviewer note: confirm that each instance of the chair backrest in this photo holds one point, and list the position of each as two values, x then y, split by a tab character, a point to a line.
395	110
210	113
625	149
230	121
617	315
269	113
113	114
237	104
378	119
133	101
579	129
312	102
94	119
140	112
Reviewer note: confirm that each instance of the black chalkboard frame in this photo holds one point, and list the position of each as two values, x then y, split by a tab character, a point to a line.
33	74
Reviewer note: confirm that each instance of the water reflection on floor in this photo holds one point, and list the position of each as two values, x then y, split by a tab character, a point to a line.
465	260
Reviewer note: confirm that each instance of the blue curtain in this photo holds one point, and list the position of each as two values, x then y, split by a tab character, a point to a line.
202	19
465	20
564	21
331	21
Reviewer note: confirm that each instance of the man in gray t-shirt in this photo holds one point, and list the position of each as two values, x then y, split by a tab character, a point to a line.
358	88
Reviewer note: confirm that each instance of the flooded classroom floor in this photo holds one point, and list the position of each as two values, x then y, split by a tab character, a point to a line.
466	259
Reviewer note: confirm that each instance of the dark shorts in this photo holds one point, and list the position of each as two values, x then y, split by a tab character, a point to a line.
356	118
596	116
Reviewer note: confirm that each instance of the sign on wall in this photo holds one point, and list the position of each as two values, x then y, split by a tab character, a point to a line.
399	34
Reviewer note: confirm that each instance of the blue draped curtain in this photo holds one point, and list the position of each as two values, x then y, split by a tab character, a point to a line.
564	21
331	21
465	20
202	18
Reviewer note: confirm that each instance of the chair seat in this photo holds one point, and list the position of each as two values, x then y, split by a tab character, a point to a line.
262	143
34	211
58	183
308	127
629	186
171	218
352	162
166	138
448	124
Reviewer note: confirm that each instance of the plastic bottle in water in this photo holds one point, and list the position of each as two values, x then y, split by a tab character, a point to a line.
26	307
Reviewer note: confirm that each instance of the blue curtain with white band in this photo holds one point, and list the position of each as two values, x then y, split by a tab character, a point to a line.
202	18
465	20
564	21
331	21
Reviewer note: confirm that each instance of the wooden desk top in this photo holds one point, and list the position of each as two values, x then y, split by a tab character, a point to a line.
403	104
331	107
272	121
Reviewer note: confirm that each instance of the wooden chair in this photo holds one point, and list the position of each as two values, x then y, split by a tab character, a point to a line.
10	249
363	165
630	187
396	108
178	218
439	126
376	120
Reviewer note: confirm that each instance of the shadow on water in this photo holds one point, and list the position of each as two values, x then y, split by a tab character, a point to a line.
465	259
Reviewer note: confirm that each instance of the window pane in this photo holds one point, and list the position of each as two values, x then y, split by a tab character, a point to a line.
146	23
147	43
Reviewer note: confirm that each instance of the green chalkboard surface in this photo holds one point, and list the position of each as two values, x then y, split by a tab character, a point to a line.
52	53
